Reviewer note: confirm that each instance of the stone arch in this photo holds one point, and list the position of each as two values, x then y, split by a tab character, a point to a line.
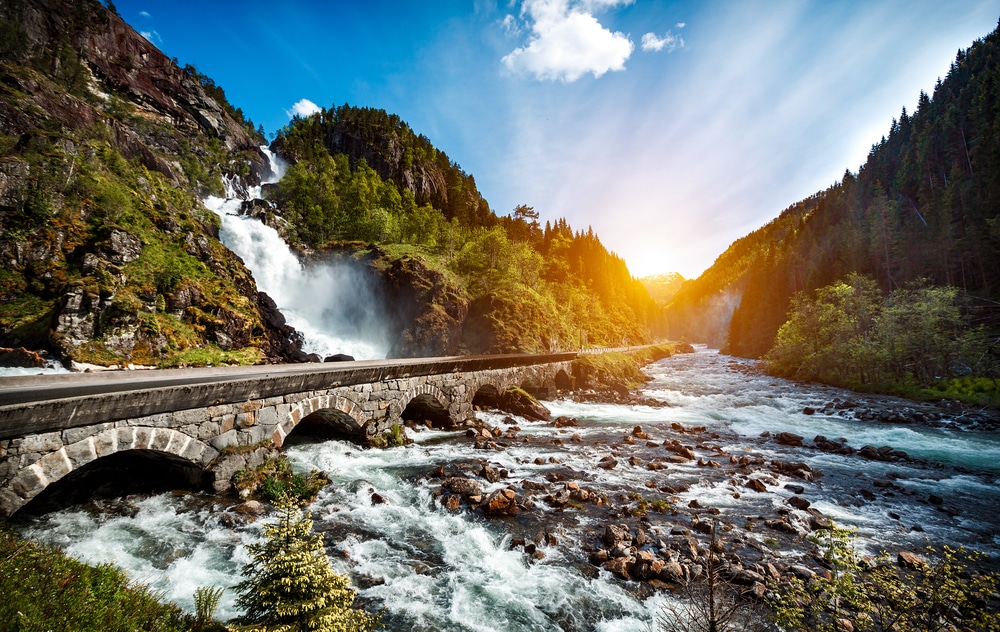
34	479
334	411
425	402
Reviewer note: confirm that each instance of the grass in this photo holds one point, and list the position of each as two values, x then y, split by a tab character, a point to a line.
275	478
623	365
43	589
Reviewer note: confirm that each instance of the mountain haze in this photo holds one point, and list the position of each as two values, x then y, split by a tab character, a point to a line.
923	206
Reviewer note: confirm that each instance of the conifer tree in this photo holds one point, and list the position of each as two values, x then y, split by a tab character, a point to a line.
290	585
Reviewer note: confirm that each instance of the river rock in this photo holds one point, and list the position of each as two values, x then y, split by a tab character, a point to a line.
799	502
907	559
788	438
619	566
518	402
461	485
21	357
500	502
756	485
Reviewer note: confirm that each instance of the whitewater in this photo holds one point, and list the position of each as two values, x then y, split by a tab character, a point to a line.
431	568
334	309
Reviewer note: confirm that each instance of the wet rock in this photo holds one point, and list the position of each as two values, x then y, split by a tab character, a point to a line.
907	559
378	499
489	473
452	501
756	485
461	485
500	502
672	572
339	357
639	434
788	438
615	534
802	572
799	502
599	557
564	422
795	489
250	508
817	520
518	402
808	410
607	463
618	566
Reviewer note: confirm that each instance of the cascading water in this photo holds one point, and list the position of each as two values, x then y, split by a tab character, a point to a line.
436	569
335	307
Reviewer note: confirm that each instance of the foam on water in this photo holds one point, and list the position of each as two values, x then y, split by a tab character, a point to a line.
434	569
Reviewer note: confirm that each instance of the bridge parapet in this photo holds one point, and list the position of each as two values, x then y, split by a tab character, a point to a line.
222	425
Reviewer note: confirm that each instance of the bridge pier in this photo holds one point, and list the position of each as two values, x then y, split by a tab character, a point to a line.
221	438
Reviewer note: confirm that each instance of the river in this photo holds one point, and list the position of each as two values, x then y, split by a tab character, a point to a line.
432	568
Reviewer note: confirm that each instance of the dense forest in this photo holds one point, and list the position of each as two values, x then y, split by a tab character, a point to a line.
362	174
921	211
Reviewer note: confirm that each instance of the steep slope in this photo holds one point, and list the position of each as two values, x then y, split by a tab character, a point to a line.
923	206
105	147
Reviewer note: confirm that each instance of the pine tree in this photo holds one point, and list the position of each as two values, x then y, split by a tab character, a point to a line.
290	585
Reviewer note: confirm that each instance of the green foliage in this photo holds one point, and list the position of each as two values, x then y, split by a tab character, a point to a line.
848	334
392	438
290	584
275	480
923	206
361	174
878	595
43	589
622	366
206	602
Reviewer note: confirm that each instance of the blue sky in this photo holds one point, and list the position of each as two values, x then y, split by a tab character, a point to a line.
672	128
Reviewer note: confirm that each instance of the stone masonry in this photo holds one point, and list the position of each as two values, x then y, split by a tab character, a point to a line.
207	435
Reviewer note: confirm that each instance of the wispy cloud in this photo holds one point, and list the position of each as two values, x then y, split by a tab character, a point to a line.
152	36
303	108
567	41
653	43
145	14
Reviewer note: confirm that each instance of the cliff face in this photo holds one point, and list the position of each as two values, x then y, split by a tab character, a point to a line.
105	147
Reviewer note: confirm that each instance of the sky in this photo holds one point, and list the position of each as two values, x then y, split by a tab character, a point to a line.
671	128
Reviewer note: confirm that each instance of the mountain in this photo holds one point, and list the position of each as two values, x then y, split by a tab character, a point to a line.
663	287
494	284
922	207
106	147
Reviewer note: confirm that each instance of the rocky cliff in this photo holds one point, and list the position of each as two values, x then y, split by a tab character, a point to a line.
105	148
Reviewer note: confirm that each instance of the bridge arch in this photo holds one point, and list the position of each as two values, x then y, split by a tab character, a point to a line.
427	402
34	479
334	412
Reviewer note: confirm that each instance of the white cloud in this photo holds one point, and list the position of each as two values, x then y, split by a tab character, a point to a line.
510	26
152	36
651	42
145	14
681	25
303	108
567	41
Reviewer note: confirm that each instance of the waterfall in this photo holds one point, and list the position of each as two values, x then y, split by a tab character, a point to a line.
333	305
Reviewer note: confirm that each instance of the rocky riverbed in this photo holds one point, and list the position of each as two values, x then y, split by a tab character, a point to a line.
590	520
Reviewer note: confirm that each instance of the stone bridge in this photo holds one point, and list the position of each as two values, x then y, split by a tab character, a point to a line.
212	422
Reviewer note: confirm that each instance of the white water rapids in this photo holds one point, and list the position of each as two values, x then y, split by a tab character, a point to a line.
434	569
331	305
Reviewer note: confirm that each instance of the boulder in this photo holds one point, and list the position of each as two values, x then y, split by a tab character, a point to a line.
618	566
518	402
756	485
21	357
461	485
907	559
500	502
799	502
788	438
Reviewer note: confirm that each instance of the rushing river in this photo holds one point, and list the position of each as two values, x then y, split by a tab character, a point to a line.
436	569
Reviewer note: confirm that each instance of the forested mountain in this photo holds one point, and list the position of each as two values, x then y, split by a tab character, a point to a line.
109	257
363	174
923	206
106	146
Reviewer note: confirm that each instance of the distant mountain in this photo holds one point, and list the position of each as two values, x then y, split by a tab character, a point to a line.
662	287
923	206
